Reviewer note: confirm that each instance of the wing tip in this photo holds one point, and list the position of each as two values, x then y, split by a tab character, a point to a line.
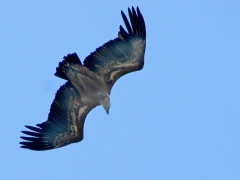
34	144
33	141
137	26
36	148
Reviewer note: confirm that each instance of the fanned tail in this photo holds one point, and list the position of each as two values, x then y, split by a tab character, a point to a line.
70	58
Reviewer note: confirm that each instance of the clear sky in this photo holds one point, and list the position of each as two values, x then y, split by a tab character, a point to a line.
178	118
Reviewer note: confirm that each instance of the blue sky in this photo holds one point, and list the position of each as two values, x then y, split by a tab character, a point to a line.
178	118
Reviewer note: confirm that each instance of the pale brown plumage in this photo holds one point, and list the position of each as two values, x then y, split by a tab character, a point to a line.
88	85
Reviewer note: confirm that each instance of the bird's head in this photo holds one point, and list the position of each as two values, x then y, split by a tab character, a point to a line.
68	61
70	69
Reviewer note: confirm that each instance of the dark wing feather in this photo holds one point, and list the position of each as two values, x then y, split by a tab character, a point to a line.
121	55
64	125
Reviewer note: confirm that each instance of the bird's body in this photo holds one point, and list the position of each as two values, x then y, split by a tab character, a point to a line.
88	85
92	87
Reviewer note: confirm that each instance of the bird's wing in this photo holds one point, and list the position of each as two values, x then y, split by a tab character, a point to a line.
122	55
64	125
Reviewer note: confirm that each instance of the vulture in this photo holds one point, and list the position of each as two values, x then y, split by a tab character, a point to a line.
88	85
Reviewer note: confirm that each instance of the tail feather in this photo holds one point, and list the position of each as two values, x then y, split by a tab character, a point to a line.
70	58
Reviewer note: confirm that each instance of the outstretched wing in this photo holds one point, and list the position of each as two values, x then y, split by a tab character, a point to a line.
122	55
64	125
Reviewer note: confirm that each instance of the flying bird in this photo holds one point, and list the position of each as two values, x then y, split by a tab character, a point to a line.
88	85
